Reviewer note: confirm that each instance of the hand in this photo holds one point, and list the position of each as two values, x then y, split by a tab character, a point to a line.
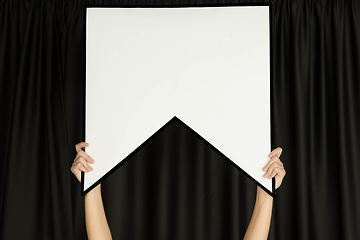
275	168
81	161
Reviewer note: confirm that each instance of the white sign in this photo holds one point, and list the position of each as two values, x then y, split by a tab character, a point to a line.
208	67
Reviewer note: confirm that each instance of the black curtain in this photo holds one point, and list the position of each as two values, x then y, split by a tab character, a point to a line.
175	188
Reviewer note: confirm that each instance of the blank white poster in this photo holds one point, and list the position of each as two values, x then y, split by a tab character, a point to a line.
208	66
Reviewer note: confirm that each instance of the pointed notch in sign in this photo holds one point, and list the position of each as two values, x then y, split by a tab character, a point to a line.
174	119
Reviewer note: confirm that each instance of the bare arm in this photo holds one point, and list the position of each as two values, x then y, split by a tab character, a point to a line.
259	225
97	226
260	221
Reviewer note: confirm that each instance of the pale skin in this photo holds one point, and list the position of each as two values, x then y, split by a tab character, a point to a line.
97	226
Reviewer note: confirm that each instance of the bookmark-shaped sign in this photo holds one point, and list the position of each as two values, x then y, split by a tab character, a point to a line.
205	67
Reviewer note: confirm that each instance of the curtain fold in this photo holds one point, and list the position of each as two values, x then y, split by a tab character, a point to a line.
184	192
35	186
317	47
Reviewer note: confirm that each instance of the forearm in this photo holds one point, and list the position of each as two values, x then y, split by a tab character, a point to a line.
260	221
96	224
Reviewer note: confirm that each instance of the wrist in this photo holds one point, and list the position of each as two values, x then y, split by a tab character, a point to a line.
262	196
96	191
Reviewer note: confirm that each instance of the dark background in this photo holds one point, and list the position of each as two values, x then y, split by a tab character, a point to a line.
176	188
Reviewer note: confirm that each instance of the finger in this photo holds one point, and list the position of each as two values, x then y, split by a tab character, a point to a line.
276	152
275	159
85	164
275	165
81	168
81	145
279	173
76	168
86	156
